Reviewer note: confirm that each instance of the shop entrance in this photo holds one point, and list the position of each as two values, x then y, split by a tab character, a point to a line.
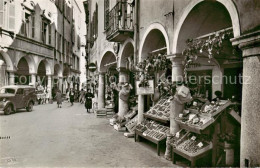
41	75
22	74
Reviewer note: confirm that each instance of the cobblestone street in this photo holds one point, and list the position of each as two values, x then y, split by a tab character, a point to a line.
69	137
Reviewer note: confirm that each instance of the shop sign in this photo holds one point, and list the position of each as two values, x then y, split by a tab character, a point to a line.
92	67
148	90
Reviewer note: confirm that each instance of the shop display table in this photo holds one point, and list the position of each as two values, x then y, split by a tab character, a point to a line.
191	158
157	142
164	121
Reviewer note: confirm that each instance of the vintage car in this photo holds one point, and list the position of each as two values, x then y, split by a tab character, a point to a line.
15	97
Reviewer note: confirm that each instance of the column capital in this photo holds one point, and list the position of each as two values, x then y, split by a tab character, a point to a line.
248	43
176	59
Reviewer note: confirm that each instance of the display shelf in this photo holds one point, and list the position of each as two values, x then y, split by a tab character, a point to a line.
188	123
192	147
215	109
161	120
157	142
174	140
152	131
160	112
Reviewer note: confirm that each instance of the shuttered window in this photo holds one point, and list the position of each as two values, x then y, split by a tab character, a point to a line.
11	20
1	13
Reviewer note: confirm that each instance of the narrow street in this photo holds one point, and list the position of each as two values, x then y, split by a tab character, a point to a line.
69	137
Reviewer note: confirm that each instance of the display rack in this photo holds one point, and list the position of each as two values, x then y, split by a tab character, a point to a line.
199	129
152	131
199	120
160	112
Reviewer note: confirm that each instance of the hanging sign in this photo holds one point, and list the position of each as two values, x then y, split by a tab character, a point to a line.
92	67
145	90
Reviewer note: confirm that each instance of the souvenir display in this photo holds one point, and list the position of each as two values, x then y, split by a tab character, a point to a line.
161	110
174	140
215	108
193	144
153	130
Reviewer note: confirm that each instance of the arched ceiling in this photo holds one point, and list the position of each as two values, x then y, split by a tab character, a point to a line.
206	17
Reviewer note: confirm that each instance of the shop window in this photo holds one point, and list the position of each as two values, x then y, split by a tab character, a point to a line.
49	34
44	31
11	19
1	13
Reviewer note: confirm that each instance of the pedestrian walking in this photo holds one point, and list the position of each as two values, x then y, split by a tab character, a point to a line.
72	94
68	95
82	95
88	100
59	98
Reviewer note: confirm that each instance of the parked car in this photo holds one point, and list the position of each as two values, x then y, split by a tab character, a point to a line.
14	97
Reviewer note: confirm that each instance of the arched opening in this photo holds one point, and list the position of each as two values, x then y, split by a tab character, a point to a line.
108	66
42	78
66	79
126	64
154	45
155	40
3	73
202	24
213	67
57	84
22	73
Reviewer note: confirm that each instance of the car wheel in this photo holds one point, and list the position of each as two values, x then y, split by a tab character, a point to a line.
29	108
8	110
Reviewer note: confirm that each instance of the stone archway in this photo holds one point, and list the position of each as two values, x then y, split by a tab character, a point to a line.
22	73
107	61
199	22
154	31
230	7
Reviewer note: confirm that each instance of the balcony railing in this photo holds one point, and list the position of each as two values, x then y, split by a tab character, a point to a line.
119	22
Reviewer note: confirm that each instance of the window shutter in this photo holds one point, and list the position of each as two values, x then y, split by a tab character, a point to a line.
11	16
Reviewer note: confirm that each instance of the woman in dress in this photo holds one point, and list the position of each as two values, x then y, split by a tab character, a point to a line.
72	94
59	98
88	102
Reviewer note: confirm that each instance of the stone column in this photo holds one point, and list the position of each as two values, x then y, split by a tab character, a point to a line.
140	108
2	73
11	78
33	79
60	83
101	91
176	108
123	105
250	119
49	86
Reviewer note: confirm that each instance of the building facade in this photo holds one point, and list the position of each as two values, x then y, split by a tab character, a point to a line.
41	42
120	34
